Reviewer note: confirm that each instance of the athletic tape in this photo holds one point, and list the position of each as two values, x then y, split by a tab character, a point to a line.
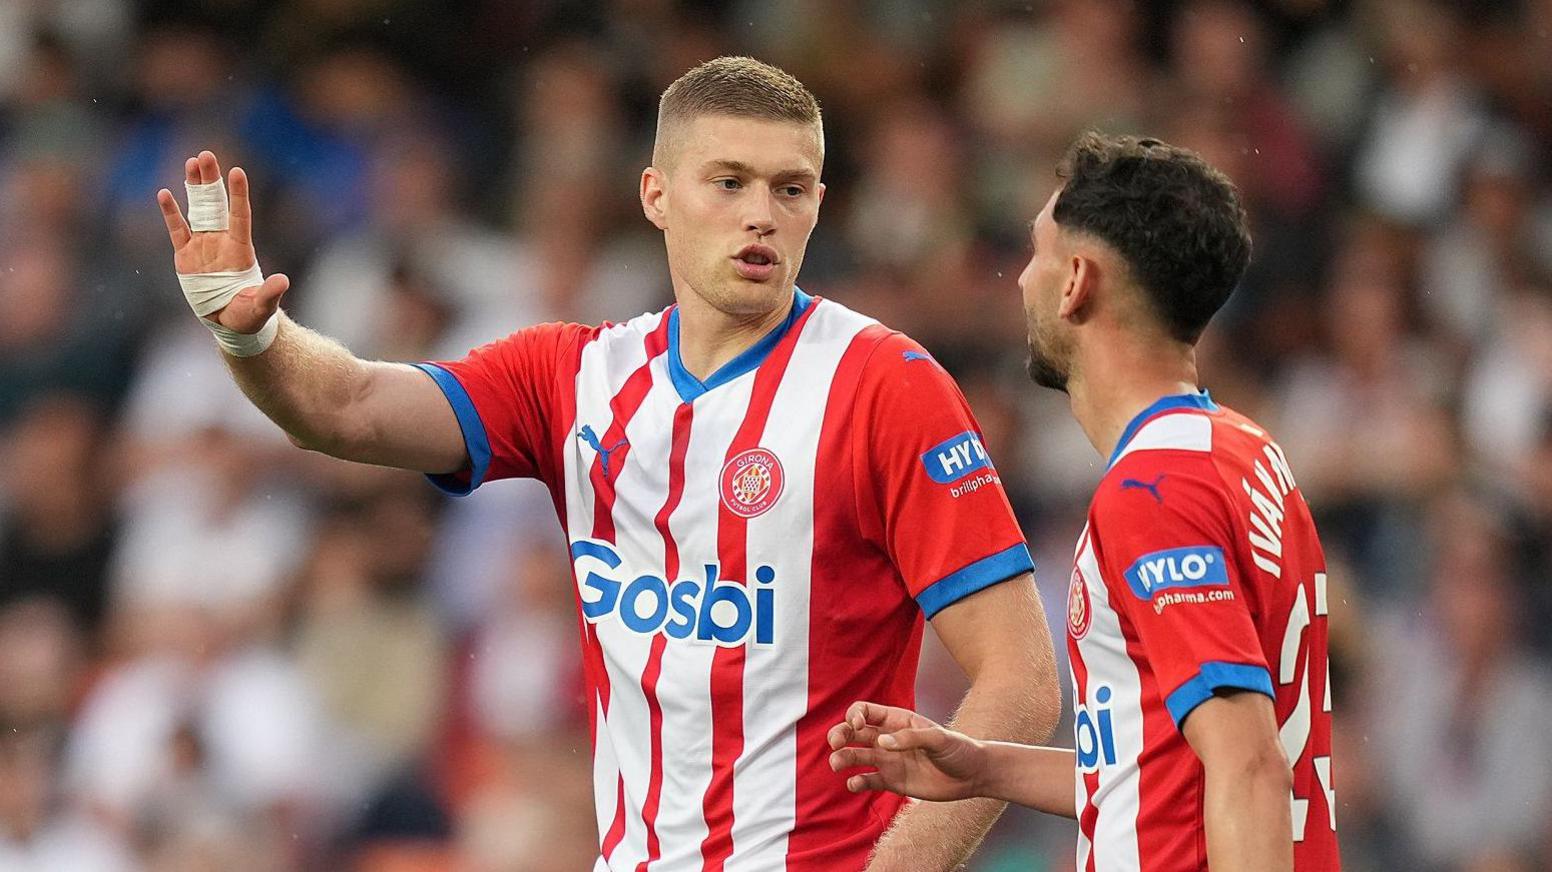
208	208
246	344
211	292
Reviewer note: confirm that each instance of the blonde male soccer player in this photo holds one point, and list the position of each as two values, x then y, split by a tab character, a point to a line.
764	494
1197	607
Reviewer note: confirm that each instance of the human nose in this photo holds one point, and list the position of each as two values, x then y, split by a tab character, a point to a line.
759	216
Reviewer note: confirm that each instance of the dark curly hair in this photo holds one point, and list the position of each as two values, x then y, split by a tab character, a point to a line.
1176	221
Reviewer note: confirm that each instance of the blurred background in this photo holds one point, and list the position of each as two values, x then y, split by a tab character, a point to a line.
220	653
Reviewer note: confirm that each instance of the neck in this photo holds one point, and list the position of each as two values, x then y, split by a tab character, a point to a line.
1114	380
709	338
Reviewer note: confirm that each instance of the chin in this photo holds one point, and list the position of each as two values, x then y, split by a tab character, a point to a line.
1044	372
745	297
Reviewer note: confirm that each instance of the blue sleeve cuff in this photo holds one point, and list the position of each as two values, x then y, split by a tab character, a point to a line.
1213	675
977	576
474	439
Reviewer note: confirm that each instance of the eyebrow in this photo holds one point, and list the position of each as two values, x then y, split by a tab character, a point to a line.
741	168
732	166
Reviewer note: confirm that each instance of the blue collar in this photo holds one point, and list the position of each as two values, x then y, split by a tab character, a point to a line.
1201	401
690	387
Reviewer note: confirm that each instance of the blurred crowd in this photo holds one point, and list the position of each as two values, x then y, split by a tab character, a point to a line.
218	652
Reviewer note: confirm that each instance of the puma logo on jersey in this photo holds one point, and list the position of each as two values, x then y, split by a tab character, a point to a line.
1151	487
587	435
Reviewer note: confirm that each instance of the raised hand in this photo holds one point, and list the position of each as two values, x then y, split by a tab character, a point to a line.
222	251
909	754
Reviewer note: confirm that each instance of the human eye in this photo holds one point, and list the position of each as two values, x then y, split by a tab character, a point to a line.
727	183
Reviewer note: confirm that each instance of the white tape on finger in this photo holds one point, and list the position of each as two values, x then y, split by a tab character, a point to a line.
211	292
208	207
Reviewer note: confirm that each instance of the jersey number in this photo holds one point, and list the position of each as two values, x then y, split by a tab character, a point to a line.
1295	732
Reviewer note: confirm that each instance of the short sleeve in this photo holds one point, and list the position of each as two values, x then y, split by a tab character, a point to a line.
1166	540
506	396
927	486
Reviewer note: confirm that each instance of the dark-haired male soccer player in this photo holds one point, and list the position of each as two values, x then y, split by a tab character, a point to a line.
1197	609
764	494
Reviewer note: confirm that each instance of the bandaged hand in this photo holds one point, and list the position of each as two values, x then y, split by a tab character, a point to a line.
216	264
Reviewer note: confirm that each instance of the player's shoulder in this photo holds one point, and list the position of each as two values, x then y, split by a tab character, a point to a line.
1160	484
890	358
1238	441
534	345
630	332
890	362
1186	430
607	341
1165	459
831	324
1181	426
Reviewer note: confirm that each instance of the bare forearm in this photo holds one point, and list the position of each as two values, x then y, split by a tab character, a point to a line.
928	836
1036	777
305	383
1247	819
328	400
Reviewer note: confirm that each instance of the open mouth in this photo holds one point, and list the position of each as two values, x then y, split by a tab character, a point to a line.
755	262
759	255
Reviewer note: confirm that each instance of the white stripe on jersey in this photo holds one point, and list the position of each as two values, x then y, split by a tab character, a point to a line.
606	776
606	363
686	668
641	485
1103	651
776	684
603	371
1181	431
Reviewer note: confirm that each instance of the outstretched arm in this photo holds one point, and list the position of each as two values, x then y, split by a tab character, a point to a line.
324	397
911	755
330	401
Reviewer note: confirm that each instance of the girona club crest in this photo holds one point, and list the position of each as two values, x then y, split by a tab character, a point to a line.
1080	613
752	482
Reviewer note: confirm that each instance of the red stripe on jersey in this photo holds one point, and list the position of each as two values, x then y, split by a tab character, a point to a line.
727	664
622	407
617	828
654	668
1092	781
1088	815
561	424
564	419
826	834
681	446
594	677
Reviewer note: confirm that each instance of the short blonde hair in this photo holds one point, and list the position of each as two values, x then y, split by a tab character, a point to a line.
738	86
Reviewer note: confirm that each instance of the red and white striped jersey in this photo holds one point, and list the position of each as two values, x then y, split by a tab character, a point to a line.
1199	570
751	553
